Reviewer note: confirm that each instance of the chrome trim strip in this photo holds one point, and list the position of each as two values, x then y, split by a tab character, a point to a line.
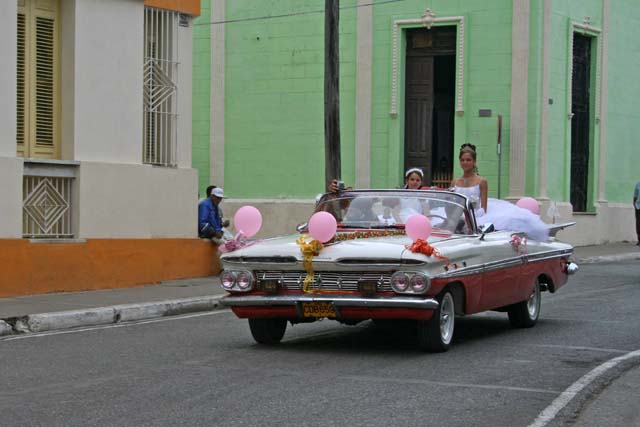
337	300
511	262
549	254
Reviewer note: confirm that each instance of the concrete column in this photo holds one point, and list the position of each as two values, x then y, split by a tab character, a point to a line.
363	94
185	95
604	89
216	151
544	102
519	94
8	77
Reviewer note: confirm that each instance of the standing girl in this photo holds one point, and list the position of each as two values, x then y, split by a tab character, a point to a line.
470	183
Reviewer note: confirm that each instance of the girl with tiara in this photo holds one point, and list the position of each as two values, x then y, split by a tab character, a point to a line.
502	214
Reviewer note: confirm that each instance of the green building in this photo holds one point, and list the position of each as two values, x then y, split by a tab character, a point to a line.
417	79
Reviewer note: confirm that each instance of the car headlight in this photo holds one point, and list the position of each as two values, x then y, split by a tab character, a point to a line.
244	279
228	279
239	281
419	283
409	282
399	281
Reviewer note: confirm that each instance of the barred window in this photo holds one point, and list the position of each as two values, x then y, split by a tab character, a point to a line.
160	89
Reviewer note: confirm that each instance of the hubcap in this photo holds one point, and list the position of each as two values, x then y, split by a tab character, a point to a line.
533	304
447	318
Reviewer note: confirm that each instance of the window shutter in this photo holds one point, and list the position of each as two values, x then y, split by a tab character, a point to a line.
37	85
44	84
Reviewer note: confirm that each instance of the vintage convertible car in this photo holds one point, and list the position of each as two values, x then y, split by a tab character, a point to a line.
371	269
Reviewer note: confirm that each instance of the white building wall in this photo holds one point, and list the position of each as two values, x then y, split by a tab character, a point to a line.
108	60
67	79
136	201
10	166
118	196
10	197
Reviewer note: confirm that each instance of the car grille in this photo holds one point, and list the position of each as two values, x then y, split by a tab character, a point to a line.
326	280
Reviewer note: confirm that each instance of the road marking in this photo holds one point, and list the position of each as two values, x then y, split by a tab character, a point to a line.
116	325
448	384
575	347
569	319
550	412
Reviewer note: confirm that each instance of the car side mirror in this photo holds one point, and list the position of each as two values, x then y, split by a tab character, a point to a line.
301	227
486	228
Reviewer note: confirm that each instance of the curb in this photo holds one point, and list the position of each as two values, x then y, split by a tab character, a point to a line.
609	258
43	322
5	328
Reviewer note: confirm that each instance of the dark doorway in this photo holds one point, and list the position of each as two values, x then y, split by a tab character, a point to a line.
580	123
429	102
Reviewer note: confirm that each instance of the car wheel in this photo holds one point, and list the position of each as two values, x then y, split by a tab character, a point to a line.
267	331
436	335
525	314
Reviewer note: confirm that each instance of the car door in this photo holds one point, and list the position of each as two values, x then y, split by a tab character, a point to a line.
504	268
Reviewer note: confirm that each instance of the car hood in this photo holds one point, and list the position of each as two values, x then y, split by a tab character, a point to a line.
367	249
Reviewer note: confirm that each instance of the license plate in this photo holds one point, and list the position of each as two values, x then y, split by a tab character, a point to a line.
318	309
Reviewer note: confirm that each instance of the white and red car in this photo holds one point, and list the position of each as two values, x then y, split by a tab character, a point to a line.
370	270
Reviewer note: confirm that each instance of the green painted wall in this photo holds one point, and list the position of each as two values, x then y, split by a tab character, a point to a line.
559	145
202	95
274	101
274	94
623	114
487	85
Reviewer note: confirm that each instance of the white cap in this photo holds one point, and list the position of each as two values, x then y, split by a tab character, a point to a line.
218	192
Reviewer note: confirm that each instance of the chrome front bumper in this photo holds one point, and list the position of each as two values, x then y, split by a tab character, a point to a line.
338	301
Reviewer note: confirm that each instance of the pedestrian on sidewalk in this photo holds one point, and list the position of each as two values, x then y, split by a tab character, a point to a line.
210	223
636	205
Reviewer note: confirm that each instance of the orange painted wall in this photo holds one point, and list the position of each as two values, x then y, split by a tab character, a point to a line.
35	268
190	7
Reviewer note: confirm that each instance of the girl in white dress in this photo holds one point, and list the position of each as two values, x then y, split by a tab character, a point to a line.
502	214
408	207
470	183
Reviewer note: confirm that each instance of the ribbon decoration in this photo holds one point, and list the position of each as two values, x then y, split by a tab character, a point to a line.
423	247
519	244
238	242
309	250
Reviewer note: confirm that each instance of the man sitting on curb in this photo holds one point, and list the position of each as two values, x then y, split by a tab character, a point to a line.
209	217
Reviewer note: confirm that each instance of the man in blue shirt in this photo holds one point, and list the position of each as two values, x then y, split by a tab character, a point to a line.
209	217
636	205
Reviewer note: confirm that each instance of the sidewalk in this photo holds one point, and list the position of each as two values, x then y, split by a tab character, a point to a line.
38	313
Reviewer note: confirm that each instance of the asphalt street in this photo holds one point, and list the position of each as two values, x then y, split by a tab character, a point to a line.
205	369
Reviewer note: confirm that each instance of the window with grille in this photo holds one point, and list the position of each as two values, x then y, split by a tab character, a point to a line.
160	89
37	79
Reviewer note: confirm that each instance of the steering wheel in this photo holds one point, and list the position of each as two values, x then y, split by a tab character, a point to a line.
436	216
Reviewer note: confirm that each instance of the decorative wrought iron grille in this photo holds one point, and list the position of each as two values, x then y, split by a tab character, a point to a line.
47	207
160	89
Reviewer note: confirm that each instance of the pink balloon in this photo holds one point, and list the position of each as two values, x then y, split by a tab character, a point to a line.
529	204
322	226
247	220
418	227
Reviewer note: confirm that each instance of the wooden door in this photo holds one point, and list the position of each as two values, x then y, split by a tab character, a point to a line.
418	139
429	93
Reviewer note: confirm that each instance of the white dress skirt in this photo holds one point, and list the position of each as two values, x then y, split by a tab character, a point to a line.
505	215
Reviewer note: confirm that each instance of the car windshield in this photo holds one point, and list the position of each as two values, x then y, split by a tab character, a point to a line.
391	209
